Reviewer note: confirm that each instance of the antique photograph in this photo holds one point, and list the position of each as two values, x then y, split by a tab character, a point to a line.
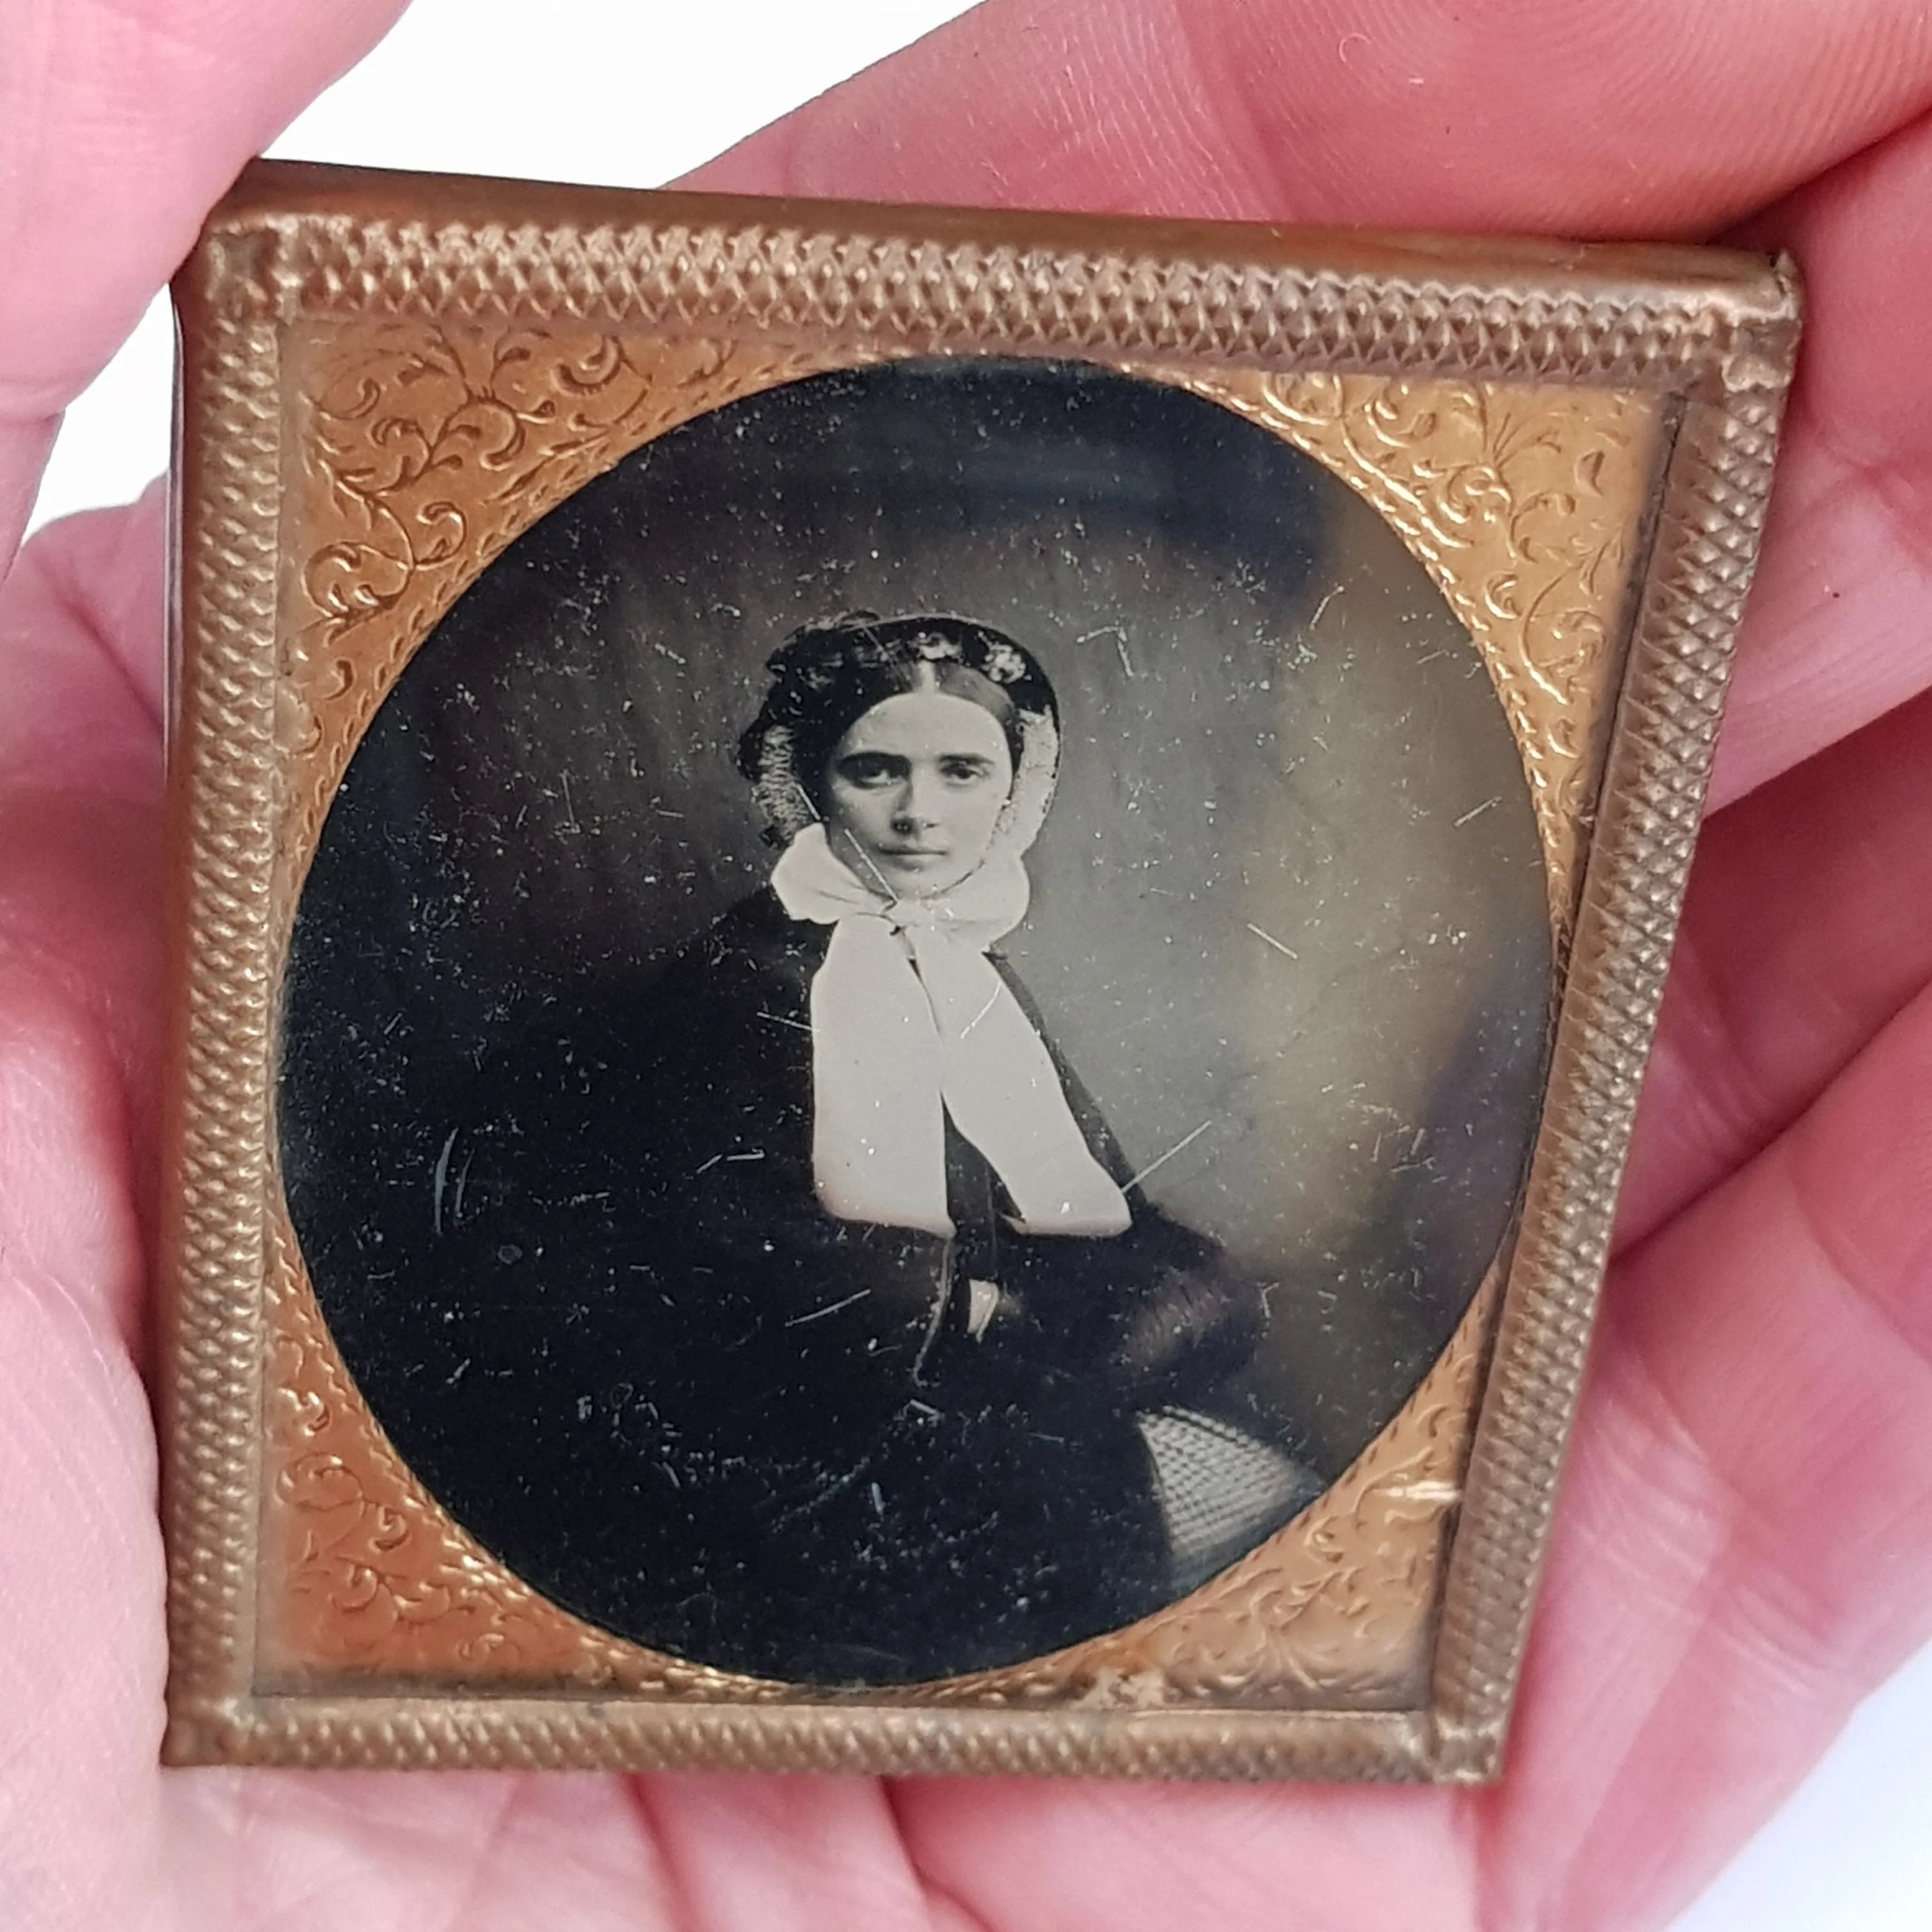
916	1019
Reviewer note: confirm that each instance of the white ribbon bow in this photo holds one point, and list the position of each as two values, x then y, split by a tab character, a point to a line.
910	1022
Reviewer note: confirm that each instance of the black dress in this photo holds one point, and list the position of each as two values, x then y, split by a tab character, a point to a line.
723	1424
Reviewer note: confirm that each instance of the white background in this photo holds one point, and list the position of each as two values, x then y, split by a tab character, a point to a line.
668	88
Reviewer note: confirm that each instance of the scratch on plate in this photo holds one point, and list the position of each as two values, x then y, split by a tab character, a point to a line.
980	1015
830	1308
1161	1160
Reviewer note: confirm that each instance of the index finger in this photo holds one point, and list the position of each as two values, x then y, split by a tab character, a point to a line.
1624	118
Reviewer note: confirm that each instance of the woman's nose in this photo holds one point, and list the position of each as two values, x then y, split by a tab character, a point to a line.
915	811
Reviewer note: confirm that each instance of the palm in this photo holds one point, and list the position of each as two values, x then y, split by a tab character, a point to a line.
1743	1548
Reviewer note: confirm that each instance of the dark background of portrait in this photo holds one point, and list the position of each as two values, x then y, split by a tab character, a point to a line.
1289	900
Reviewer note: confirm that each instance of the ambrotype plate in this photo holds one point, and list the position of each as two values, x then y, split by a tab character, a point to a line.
914	949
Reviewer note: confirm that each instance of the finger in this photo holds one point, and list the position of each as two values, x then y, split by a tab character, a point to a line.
1624	117
80	760
1808	928
120	122
1745	1543
809	1855
81	654
1840	628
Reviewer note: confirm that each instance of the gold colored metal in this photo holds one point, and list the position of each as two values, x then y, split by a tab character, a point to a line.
387	379
423	458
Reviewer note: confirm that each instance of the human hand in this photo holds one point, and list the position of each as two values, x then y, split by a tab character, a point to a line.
1742	1548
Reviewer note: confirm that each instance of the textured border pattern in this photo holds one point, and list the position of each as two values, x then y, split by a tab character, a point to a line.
786	281
225	762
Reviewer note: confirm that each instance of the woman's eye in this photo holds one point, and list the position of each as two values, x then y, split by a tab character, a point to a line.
868	773
962	771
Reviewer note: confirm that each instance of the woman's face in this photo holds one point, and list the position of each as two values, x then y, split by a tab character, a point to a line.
913	789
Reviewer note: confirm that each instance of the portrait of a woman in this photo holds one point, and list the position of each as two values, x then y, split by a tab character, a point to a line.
909	1374
856	1148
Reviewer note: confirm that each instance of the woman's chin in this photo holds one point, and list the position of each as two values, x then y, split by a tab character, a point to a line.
910	879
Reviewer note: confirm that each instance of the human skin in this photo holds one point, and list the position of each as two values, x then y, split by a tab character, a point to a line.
913	790
1744	1544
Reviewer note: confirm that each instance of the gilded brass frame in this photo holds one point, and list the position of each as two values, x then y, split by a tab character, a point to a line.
386	378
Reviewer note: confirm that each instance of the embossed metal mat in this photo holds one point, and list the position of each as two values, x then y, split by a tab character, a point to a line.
389	381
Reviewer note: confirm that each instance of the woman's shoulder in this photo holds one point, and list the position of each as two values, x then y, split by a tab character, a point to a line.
634	1031
759	923
755	940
